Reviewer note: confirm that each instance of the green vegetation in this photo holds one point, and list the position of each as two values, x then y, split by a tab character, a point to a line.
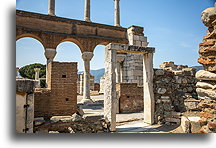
28	72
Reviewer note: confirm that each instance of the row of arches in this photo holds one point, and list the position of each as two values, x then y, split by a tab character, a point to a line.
31	50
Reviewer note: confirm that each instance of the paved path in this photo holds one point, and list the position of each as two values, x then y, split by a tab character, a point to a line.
126	123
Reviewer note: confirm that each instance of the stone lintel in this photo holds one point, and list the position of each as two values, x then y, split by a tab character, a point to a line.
123	48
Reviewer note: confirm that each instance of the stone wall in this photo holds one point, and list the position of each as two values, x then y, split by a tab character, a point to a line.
132	69
174	91
60	98
72	124
130	97
206	87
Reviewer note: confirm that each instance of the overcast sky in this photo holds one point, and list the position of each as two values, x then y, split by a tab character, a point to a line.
173	27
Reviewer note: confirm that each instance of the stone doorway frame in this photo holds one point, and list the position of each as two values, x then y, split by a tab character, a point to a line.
110	98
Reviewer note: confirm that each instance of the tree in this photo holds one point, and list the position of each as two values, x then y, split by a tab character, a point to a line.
28	72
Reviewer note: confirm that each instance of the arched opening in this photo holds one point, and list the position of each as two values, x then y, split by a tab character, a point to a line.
30	51
97	68
68	51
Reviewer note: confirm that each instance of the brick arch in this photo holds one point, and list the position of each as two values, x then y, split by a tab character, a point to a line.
73	40
30	36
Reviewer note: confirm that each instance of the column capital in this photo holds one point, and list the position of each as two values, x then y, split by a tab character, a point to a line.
37	69
50	53
120	57
87	56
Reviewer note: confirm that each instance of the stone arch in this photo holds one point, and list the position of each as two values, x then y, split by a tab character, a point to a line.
69	52
73	40
30	48
23	35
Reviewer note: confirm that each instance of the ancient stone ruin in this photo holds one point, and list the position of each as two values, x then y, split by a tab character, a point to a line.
169	95
207	77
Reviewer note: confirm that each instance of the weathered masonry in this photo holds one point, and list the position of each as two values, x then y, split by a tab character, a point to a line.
206	88
110	100
52	30
60	98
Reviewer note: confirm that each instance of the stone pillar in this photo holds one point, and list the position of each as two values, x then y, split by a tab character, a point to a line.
86	56
51	7
119	59
37	76
110	99
117	13
17	72
37	73
149	103
49	54
87	11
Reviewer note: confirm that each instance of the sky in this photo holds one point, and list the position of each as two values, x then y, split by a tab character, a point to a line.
173	27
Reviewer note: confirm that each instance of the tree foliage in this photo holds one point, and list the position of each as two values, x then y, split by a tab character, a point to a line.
28	71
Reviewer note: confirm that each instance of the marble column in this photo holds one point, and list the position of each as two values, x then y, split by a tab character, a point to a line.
17	72
149	103
86	56
117	13
87	11
110	99
49	53
51	7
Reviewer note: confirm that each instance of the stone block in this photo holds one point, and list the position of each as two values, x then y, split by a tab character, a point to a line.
191	104
185	124
25	85
205	75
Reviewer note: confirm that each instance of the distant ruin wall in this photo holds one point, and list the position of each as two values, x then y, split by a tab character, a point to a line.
130	97
60	98
206	87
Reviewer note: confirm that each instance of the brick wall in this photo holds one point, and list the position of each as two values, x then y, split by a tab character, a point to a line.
60	98
130	97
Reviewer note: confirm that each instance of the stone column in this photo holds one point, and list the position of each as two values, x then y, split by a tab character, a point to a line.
119	58
117	13
37	73
51	7
87	11
86	56
110	99
49	54
149	103
37	76
17	72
